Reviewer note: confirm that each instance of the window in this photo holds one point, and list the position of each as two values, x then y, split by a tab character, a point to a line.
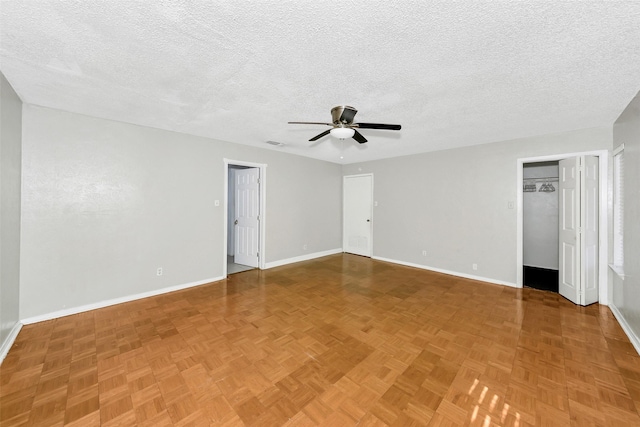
618	211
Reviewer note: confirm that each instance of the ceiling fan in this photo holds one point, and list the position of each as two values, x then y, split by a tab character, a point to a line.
343	126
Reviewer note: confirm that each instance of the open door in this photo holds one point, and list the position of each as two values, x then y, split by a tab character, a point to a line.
589	209
247	210
569	236
578	229
358	209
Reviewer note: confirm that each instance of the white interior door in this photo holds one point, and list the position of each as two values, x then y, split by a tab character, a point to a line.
358	210
247	210
579	249
569	236
589	220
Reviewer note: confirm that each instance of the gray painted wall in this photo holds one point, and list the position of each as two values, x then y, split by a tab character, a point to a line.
626	294
10	169
454	203
105	203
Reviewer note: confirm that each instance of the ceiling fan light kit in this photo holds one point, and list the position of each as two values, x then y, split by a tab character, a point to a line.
342	133
343	126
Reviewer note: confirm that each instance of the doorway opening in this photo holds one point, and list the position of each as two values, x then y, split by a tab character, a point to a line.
581	268
244	216
540	225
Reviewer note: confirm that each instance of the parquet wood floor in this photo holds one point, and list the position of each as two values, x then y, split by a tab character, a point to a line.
339	341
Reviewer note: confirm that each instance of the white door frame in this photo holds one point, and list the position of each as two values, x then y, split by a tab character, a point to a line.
262	203
344	178
603	216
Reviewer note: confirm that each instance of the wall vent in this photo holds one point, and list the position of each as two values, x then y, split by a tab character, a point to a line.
276	143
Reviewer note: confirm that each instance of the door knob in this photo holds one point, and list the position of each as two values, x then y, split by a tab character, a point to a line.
368	220
235	222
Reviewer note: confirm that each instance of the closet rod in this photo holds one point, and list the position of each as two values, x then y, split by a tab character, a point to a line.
538	179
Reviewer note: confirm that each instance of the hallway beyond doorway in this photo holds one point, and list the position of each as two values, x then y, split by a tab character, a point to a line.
232	267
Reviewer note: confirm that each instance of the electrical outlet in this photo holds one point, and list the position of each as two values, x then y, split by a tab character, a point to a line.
159	271
424	253
304	247
474	266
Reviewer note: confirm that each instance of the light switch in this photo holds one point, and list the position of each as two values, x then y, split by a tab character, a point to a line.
511	204
217	203
375	203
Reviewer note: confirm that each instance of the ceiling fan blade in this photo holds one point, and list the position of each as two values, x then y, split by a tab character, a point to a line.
358	137
377	126
310	123
317	137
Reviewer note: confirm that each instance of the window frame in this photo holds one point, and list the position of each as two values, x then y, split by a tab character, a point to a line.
617	262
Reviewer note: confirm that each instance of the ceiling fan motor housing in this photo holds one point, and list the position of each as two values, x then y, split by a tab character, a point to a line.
343	114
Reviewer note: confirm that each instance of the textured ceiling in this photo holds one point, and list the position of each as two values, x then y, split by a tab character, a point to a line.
451	73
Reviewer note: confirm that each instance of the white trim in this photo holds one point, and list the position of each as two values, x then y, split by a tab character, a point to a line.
263	210
618	269
635	341
617	214
603	216
8	342
306	257
114	301
449	272
520	225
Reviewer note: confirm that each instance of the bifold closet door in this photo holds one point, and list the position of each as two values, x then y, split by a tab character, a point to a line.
578	229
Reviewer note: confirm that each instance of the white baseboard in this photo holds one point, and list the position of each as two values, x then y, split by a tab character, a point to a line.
8	342
635	341
306	257
102	304
452	273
